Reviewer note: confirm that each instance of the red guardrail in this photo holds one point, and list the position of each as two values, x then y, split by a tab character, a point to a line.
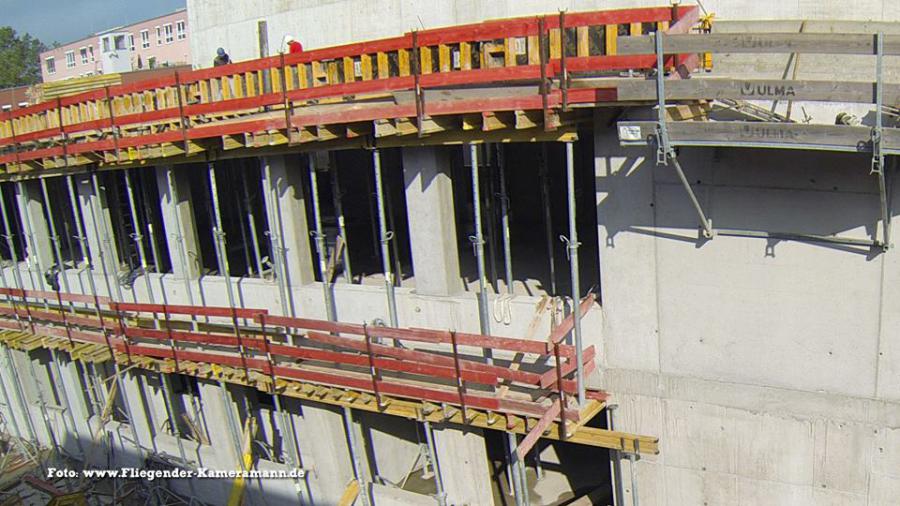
120	117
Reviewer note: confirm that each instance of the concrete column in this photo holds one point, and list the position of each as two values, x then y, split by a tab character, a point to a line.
134	395
71	382
432	224
96	215
181	232
324	448
464	465
15	409
215	411
38	246
289	209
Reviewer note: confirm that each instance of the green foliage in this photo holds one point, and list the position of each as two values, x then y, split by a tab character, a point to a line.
20	62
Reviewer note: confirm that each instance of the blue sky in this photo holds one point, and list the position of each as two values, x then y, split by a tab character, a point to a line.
68	20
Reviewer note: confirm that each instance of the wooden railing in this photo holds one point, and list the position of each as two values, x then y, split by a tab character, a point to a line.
188	106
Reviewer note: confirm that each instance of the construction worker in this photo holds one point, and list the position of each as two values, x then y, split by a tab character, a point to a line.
221	58
291	46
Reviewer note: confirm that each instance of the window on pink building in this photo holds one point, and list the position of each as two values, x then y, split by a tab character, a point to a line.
145	39
70	59
84	55
91	52
170	35
131	41
158	36
51	65
181	30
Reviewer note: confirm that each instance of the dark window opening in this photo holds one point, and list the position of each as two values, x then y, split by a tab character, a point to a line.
358	202
64	221
15	230
537	196
243	216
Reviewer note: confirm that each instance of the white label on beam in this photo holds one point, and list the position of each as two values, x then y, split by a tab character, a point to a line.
629	133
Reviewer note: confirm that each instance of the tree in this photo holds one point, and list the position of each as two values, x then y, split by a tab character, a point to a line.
20	58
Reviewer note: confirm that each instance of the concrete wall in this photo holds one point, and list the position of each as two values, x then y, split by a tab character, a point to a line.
767	368
216	23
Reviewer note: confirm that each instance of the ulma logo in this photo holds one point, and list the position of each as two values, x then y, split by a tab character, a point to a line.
767	90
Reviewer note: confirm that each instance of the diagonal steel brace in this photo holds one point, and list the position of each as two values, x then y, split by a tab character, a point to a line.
664	150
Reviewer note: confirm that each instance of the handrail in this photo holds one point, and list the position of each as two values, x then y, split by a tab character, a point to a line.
488	52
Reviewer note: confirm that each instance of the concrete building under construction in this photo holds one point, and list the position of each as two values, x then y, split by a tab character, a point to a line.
464	254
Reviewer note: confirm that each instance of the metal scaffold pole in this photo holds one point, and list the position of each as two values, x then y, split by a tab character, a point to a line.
54	237
573	244
251	224
182	247
163	378
86	254
224	271
436	466
337	196
319	235
519	479
29	233
548	216
270	195
478	241
29	230
386	236
504	219
17	276
355	456
61	271
96	215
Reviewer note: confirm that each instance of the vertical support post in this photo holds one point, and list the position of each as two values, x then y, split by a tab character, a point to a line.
504	219
33	252
355	452
518	478
478	241
163	378
97	215
573	245
435	465
877	133
29	229
8	402
491	222
118	372
615	460
319	236
92	285
386	236
54	237
17	277
548	215
276	238
337	195
633	458
563	72
179	239
224	271
251	224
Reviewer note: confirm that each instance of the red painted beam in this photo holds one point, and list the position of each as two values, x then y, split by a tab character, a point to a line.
548	379
537	431
563	329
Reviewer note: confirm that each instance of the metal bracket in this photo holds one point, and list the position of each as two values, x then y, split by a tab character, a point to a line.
664	149
877	134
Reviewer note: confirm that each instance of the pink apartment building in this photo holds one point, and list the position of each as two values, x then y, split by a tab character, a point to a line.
156	42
